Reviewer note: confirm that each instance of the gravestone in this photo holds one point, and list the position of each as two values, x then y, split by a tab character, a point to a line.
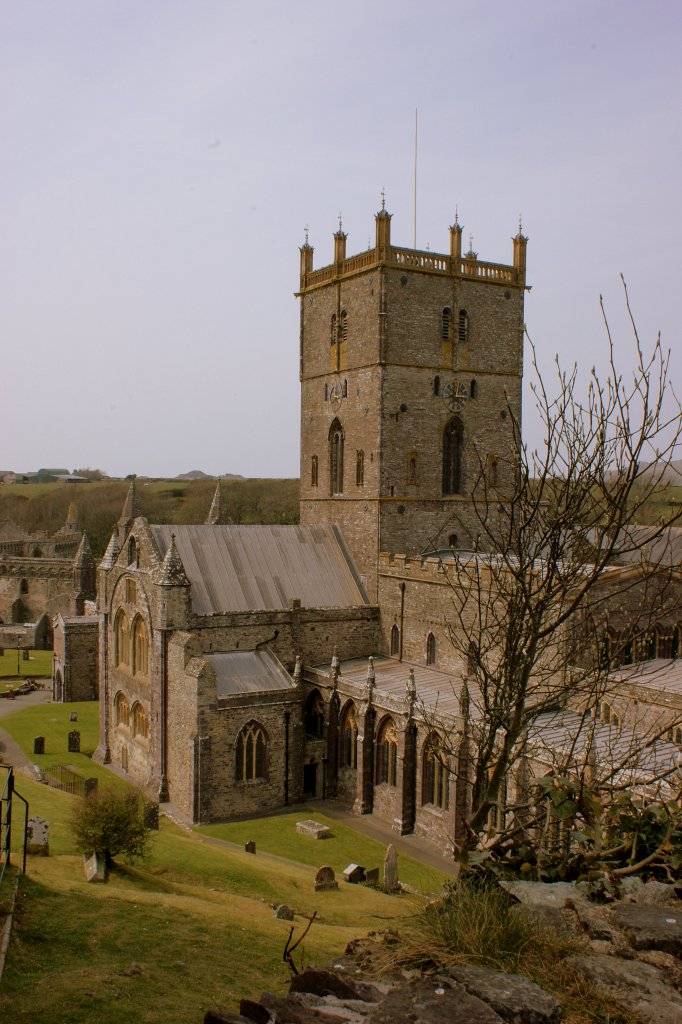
95	867
250	847
90	787
325	879
372	876
313	829
391	882
38	837
354	874
284	913
73	717
151	815
38	744
74	742
24	656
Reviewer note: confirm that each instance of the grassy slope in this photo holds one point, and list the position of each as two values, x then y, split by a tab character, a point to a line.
196	916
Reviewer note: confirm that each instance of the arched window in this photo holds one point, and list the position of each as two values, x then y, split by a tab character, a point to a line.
453	439
37	553
326	392
333	330
436	386
430	649
313	470
653	646
336	458
121	640
453	540
313	715
23	587
140	721
343	331
463	326
252	745
492	470
122	708
395	641
412	468
360	468
344	388
140	647
348	737
435	775
387	753
446	323
133	557
473	389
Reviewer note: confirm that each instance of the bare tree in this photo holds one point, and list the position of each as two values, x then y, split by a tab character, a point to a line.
530	604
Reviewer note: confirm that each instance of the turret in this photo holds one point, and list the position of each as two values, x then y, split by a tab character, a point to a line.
175	587
73	524
340	237
84	574
383	227
306	251
456	240
520	241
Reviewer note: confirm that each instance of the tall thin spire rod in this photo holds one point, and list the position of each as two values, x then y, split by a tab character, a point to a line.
414	212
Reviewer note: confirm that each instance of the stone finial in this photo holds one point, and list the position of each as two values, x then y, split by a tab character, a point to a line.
111	553
131	507
371	679
171	572
411	688
464	700
336	670
84	553
298	669
217	515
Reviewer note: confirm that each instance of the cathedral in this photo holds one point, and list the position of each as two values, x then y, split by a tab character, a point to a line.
244	668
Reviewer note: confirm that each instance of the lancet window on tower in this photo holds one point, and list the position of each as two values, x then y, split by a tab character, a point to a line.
446	323
395	641
453	440
463	325
430	649
360	468
336	458
313	470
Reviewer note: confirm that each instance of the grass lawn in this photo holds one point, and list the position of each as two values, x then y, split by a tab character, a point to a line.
278	835
53	722
38	666
195	919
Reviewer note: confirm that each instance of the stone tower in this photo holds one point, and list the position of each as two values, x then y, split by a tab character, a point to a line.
410	367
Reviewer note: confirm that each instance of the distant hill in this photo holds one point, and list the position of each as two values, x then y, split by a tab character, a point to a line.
197	474
671	475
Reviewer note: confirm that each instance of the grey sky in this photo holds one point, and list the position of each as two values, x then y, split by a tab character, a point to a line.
161	159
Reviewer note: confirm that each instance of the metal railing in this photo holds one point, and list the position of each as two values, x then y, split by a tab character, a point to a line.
7	795
60	777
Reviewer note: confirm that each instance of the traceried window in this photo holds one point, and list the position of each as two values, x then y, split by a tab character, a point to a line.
387	753
446	323
121	640
140	647
122	710
453	440
463	325
360	468
336	458
430	649
250	761
313	470
140	721
313	715
435	775
395	641
348	737
131	592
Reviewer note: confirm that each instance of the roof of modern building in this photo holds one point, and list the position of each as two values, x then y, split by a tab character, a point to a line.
264	568
248	672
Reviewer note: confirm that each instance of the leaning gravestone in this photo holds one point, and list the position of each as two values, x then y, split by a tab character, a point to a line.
38	837
391	882
38	744
284	913
74	742
250	847
325	879
95	865
372	876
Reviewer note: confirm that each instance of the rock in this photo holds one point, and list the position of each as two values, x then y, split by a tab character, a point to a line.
295	1011
650	927
133	971
284	913
216	1017
653	892
542	894
637	987
516	999
324	983
595	924
551	917
255	1012
429	1002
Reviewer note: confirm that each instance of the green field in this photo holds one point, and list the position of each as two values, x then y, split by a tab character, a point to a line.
191	928
38	666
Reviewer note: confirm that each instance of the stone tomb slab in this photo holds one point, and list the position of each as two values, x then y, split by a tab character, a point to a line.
354	874
313	829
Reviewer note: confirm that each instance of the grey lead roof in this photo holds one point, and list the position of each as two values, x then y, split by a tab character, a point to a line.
247	672
262	568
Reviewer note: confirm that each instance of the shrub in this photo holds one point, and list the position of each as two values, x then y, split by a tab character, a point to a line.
111	822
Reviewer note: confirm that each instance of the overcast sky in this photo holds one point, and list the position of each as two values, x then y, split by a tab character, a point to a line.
161	159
